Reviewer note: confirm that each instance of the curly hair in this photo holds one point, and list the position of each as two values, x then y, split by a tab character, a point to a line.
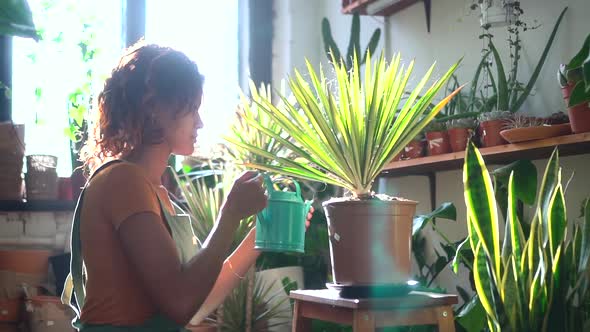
148	79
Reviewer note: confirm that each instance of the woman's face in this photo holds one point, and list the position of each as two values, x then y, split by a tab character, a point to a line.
180	131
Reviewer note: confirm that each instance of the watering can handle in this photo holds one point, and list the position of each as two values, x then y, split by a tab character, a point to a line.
268	183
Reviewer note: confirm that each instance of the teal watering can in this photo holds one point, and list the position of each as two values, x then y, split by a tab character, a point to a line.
281	225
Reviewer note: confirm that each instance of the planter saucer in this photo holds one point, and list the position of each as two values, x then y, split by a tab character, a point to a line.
533	133
375	290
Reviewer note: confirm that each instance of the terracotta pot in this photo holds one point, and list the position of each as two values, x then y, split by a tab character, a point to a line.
566	91
415	149
10	310
458	138
438	143
48	314
399	156
35	262
9	327
489	133
370	241
580	118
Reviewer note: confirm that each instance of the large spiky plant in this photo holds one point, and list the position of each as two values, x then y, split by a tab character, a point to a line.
346	133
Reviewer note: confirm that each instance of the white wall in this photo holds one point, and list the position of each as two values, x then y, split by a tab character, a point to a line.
454	34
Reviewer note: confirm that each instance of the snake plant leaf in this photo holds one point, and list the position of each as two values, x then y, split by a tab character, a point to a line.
516	234
585	239
481	205
483	283
509	291
447	210
533	79
475	80
330	47
502	101
462	248
525	179
551	179
556	219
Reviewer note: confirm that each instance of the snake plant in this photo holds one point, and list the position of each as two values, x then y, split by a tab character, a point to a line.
345	131
537	279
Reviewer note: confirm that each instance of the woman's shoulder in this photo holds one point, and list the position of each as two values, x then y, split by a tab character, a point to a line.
120	175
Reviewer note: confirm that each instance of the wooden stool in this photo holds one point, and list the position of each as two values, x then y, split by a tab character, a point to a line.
367	314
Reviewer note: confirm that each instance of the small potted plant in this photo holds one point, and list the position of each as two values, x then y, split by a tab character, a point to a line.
574	79
490	126
437	139
416	148
460	132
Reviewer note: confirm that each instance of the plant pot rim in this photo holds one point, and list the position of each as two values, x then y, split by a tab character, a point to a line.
356	201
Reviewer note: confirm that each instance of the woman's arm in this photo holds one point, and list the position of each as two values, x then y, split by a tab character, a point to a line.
234	268
179	290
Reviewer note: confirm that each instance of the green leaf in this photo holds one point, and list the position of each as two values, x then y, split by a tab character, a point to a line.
557	220
473	316
464	247
550	181
354	44
502	104
483	284
578	59
525	179
372	46
16	19
481	205
579	95
516	235
447	210
533	79
585	242
509	291
330	47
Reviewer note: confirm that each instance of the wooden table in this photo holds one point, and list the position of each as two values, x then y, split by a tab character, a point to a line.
367	314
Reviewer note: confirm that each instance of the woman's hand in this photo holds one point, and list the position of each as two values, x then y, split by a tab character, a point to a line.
309	216
246	197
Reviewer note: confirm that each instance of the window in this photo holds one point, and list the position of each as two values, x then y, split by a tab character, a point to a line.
207	31
81	42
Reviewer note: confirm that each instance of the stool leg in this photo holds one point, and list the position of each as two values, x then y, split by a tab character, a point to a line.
446	321
363	321
300	323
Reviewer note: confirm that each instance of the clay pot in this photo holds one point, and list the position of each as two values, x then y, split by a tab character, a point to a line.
489	133
415	149
34	262
10	310
375	252
458	138
438	143
580	118
399	156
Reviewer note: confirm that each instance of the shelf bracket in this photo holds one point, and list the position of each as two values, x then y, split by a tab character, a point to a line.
432	187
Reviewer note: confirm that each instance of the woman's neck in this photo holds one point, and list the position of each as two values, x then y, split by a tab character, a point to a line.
153	159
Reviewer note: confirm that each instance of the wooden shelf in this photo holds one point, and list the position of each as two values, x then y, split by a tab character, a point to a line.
502	154
360	6
36	206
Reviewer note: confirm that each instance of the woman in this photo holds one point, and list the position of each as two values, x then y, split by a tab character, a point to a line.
142	269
